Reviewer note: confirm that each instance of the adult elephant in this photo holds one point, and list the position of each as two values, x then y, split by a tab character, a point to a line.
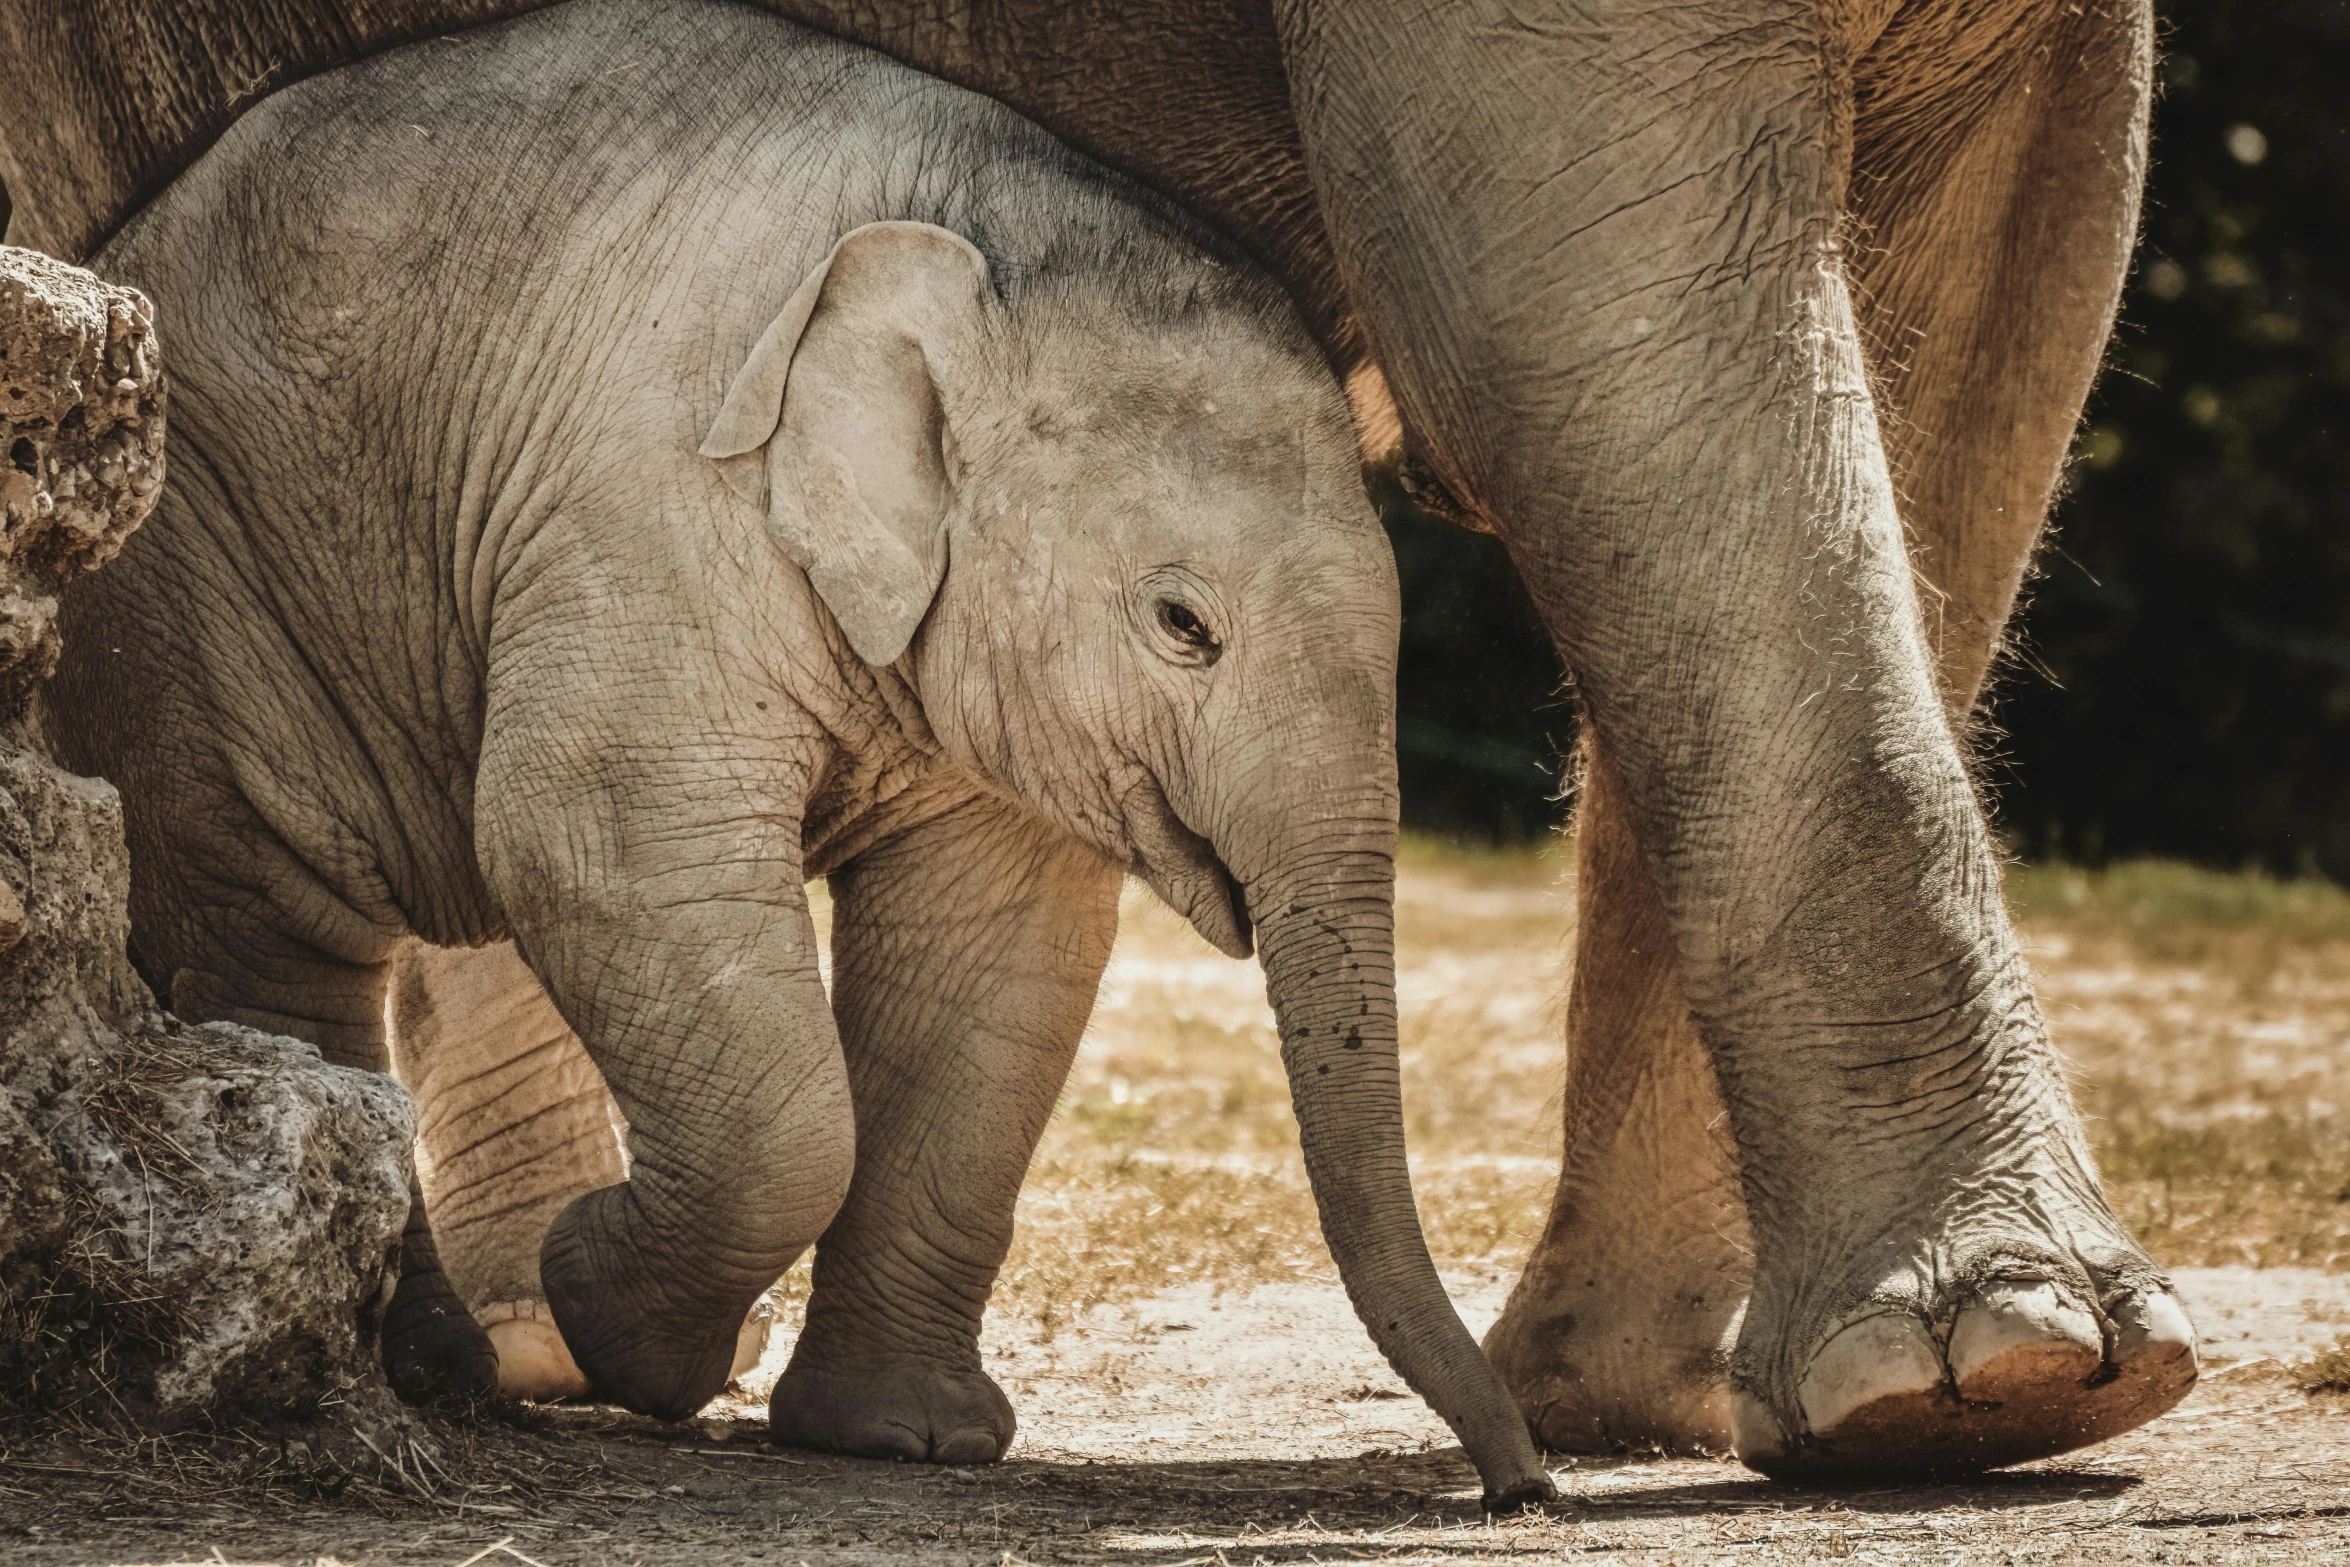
1757	331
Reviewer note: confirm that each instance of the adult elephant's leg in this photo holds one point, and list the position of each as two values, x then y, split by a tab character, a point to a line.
966	953
1992	230
1619	1331
1986	366
238	967
1602	261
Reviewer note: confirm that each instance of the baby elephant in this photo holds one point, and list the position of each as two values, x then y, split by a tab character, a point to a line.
634	459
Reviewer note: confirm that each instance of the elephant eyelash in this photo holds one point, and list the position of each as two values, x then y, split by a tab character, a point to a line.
1184	624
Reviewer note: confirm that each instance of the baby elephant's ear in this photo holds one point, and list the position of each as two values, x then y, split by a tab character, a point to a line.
836	424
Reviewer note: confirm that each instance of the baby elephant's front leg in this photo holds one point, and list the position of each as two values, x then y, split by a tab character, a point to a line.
966	955
716	1043
651	875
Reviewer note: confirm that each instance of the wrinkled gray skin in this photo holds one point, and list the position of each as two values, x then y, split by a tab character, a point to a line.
828	475
1714	314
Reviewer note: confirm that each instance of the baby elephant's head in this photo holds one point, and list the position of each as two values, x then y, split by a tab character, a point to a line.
1108	520
1103	515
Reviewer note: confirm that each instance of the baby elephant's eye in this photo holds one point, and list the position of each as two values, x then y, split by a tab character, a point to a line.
1183	623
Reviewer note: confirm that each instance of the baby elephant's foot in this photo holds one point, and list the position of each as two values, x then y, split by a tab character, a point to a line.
639	1340
433	1349
2024	1364
535	1363
903	1407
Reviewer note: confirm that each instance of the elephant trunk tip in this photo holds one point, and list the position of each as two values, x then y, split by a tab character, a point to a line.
1536	1490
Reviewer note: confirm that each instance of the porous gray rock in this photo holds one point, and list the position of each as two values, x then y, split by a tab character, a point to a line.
202	1222
81	444
198	1224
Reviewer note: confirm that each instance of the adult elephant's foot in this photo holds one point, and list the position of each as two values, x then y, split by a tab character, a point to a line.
1619	1332
433	1350
902	1406
1994	1354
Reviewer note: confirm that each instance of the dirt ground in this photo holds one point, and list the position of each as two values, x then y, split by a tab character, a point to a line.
1192	1386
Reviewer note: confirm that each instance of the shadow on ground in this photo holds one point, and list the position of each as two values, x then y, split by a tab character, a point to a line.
596	1485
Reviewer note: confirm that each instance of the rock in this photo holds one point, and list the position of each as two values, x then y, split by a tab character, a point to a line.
231	1213
197	1224
81	444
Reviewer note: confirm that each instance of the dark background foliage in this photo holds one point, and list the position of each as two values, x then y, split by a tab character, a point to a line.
1482	722
2182	682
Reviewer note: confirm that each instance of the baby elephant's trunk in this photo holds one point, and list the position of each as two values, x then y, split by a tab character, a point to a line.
1325	919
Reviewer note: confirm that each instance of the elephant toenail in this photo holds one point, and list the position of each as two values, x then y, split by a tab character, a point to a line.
1755	1433
1887	1355
2151	1329
967	1447
2023	1336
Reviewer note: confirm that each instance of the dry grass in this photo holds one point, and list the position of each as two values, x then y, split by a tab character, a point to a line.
485	1467
2325	1372
2204	1013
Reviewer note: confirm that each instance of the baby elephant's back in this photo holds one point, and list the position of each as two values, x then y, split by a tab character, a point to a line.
426	316
403	306
463	178
418	313
470	269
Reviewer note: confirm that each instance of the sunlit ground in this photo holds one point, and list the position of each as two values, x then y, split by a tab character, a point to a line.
2207	1016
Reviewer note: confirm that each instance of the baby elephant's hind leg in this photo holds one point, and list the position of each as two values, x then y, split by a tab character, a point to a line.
514	1122
966	955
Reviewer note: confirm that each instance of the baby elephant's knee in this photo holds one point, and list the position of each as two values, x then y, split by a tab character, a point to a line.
780	1182
731	1193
